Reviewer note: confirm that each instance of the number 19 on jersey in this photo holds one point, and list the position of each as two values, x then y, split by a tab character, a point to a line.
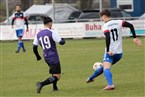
45	42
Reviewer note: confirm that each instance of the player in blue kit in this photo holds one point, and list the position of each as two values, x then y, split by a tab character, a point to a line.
47	38
113	53
19	19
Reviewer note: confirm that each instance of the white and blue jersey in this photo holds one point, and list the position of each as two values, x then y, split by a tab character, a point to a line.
19	19
113	32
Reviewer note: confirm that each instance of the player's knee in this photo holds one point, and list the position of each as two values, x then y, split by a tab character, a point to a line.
57	76
106	65
19	38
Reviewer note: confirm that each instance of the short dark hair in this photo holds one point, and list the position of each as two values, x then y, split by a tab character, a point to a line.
47	20
105	12
18	5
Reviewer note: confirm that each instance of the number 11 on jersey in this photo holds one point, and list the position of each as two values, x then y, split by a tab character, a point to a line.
114	34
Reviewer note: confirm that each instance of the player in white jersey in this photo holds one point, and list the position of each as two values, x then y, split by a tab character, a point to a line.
19	19
113	52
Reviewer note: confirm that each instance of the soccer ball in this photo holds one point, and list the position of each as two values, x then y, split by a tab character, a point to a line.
97	65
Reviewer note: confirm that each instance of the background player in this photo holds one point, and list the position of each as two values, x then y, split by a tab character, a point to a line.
113	53
47	38
20	20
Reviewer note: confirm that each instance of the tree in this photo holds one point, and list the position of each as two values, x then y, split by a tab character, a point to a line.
89	4
86	4
2	11
24	4
46	1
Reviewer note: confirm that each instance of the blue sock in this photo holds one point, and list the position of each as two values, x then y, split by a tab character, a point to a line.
22	45
96	73
19	45
108	76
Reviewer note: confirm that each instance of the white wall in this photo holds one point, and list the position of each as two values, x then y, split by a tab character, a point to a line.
71	30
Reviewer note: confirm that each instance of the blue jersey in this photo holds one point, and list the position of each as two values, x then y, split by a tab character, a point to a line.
47	38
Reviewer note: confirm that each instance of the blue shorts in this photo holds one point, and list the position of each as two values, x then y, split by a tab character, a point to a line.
19	32
112	59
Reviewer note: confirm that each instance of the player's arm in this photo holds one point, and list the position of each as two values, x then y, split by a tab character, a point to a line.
13	20
129	25
35	48
26	22
56	38
107	35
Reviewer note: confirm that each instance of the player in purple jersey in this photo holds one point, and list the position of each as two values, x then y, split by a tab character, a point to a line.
113	53
47	38
19	19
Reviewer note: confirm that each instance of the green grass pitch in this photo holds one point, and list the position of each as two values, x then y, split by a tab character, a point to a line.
20	72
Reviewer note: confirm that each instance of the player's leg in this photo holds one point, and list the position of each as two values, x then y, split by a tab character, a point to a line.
117	57
108	76
51	80
48	81
55	70
98	72
56	73
107	62
20	42
55	88
107	72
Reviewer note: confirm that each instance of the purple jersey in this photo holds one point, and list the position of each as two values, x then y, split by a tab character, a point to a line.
47	38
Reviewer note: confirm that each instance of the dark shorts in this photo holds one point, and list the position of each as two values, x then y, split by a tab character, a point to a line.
54	68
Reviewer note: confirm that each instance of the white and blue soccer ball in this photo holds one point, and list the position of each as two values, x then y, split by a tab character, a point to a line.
97	65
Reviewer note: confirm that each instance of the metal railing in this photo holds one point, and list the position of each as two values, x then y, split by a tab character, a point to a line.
80	20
